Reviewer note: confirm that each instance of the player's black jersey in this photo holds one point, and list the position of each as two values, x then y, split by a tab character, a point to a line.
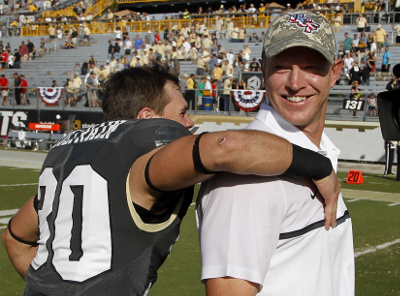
92	239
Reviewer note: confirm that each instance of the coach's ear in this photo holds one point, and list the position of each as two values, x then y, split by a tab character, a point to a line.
146	113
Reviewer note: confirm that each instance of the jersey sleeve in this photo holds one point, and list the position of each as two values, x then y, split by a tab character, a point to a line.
152	133
239	224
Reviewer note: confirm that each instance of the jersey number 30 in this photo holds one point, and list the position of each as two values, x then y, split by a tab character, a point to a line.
81	236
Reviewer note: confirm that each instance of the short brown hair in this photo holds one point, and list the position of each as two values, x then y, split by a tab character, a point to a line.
130	90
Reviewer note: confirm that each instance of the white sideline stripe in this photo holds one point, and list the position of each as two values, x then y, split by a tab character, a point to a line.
352	200
2	227
377	248
385	184
8	212
4	220
394	204
13	185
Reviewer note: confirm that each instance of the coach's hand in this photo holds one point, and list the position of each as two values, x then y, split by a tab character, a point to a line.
329	187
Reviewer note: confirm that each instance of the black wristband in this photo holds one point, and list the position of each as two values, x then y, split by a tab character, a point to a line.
307	163
198	164
33	244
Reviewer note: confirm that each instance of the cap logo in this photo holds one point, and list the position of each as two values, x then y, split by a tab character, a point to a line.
302	21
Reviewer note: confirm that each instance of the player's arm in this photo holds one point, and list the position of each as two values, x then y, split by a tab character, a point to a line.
190	160
20	237
230	287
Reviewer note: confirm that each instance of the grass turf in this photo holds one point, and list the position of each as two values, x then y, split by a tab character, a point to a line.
375	223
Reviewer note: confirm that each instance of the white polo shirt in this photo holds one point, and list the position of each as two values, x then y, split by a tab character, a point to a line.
270	231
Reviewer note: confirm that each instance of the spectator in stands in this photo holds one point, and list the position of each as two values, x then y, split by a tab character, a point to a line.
355	73
73	37
397	30
23	50
16	59
77	82
217	72
86	33
52	32
337	22
24	89
92	84
4	85
42	48
201	65
366	73
254	38
227	68
118	66
17	88
109	15
386	60
4	59
371	61
363	37
31	50
118	33
361	22
361	48
341	54
380	37
138	42
69	92
254	66
200	89
371	39
347	42
372	104
10	63
227	92
190	91
92	61
347	64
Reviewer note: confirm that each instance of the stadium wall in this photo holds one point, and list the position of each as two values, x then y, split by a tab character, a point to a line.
358	141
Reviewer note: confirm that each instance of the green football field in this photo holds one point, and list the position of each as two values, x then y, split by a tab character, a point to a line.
373	205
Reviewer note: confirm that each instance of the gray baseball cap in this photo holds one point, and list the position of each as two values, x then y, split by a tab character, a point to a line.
300	28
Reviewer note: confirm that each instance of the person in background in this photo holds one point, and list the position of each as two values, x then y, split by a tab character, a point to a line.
386	60
4	87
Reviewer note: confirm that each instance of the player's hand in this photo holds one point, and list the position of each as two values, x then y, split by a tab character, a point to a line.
329	187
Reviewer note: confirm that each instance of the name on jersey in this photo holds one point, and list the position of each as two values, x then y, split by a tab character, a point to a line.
96	132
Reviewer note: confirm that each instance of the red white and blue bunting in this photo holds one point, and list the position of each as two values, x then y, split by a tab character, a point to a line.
50	95
248	100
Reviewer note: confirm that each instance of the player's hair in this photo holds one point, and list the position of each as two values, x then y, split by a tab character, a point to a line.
130	90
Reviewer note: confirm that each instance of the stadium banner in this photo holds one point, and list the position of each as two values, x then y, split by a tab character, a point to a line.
19	119
50	95
248	100
351	104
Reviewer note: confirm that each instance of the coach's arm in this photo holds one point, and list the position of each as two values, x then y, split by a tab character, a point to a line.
20	237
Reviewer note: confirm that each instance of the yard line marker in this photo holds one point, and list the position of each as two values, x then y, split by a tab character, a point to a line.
377	248
352	200
8	212
2	227
394	204
14	185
